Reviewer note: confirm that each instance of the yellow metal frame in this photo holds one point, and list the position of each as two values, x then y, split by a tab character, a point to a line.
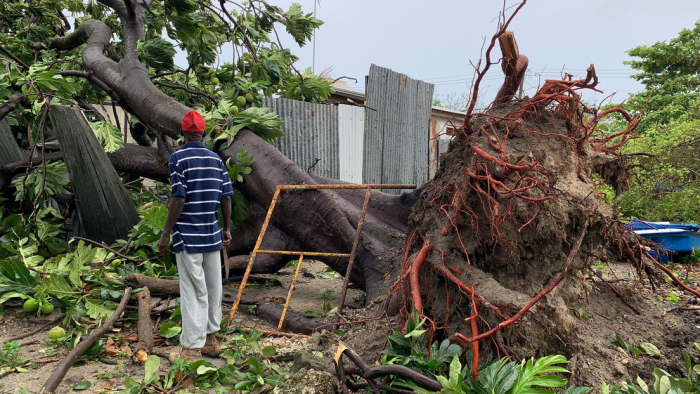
257	250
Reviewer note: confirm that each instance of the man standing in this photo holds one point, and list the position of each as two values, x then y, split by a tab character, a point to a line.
200	185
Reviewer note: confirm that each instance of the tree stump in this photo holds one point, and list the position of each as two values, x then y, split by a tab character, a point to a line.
105	210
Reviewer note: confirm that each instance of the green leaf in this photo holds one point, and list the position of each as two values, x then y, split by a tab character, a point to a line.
97	309
455	371
109	135
415	334
202	369
84	385
17	277
158	54
530	375
577	390
312	314
635	352
11	294
299	25
620	342
650	349
151	368
169	330
269	351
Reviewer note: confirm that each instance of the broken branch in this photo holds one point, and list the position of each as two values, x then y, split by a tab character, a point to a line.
57	376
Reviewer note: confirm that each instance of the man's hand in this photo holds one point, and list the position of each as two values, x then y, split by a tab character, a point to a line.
164	243
226	237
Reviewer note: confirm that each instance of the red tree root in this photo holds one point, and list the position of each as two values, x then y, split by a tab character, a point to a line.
469	290
475	333
415	276
673	277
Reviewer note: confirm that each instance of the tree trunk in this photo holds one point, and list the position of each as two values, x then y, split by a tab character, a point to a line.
105	209
9	151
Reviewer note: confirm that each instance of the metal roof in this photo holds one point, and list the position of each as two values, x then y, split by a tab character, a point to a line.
360	95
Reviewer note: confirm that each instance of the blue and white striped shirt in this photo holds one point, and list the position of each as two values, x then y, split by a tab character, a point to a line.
198	175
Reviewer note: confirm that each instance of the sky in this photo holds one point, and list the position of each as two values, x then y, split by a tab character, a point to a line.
435	41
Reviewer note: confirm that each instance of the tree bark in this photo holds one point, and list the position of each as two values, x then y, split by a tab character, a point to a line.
155	285
144	346
105	209
9	151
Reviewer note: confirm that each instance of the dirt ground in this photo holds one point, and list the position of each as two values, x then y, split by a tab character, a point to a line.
671	326
106	375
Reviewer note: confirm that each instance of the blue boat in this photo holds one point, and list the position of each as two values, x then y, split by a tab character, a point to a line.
671	237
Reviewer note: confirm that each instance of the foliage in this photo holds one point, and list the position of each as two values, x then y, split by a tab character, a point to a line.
67	278
43	183
246	369
411	349
643	348
11	357
108	135
662	382
670	73
326	308
442	362
667	184
259	120
247	364
666	159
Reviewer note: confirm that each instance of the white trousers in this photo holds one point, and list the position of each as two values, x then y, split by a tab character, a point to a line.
200	296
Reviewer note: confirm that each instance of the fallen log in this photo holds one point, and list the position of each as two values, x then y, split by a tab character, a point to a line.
57	376
155	285
9	151
294	322
172	287
270	311
104	207
144	346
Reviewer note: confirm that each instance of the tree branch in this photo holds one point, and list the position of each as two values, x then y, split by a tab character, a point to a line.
19	62
12	102
188	90
57	376
116	5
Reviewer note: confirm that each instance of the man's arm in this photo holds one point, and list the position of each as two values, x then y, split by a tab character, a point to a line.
226	213
174	211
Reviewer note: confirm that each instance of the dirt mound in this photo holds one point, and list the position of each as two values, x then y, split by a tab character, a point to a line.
514	203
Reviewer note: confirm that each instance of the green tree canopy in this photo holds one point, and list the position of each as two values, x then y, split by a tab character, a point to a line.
232	49
666	150
670	73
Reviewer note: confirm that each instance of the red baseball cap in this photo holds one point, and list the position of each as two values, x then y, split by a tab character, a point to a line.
193	122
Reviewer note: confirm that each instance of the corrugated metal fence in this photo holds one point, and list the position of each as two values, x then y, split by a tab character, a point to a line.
326	138
388	143
397	131
310	134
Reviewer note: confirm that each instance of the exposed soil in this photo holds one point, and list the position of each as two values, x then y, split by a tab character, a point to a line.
516	198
